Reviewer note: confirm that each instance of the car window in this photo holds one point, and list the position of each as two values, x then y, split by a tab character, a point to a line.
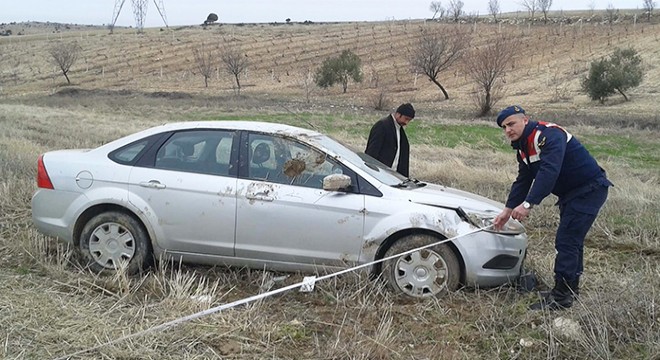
363	161
286	161
201	151
128	154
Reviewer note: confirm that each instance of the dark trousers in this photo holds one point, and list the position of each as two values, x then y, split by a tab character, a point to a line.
575	219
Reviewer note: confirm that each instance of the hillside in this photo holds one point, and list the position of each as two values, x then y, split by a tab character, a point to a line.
51	306
546	76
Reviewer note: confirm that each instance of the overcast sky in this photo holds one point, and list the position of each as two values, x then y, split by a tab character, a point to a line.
190	12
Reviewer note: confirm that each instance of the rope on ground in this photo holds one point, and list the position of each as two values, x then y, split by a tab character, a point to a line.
250	299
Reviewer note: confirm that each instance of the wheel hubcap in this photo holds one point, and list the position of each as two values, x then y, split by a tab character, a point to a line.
421	274
112	245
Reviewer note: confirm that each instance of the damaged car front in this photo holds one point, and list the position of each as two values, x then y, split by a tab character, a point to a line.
406	214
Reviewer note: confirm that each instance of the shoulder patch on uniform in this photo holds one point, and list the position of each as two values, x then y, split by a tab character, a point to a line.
542	141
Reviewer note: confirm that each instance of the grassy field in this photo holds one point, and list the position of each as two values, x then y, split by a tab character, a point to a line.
50	308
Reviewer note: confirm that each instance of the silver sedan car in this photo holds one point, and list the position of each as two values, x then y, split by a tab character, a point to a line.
268	196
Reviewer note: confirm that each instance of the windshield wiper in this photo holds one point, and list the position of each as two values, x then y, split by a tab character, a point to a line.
408	181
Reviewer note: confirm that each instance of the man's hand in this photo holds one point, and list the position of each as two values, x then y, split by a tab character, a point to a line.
502	218
520	213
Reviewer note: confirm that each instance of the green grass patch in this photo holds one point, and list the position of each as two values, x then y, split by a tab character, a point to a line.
451	136
21	270
637	151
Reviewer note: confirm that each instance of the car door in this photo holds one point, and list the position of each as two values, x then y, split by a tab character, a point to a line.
284	215
189	192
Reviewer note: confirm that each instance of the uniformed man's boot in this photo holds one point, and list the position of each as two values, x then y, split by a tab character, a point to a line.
574	286
560	298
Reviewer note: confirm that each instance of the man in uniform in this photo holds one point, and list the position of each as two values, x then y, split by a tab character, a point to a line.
551	160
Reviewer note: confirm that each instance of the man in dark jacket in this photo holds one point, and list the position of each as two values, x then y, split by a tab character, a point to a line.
388	142
550	160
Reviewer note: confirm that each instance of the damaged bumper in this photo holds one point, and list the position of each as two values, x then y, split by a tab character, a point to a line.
492	259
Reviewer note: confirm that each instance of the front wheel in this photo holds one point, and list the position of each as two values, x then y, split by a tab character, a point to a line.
113	240
424	273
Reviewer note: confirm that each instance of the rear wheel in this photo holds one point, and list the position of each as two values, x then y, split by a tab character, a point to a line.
112	240
424	273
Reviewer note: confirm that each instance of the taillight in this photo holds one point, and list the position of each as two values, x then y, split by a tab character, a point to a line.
43	181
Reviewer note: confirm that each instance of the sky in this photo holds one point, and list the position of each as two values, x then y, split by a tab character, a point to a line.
192	12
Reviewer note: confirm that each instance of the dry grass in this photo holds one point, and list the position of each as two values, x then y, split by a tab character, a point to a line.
50	308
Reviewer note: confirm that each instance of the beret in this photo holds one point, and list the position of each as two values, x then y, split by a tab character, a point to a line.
508	111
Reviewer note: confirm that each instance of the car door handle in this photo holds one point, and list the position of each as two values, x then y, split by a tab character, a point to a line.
153	184
259	196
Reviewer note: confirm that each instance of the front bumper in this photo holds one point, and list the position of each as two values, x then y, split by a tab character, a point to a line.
492	259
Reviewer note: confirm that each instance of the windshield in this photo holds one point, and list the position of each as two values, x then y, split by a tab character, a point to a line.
363	161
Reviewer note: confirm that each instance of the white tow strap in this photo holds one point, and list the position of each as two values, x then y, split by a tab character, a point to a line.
306	285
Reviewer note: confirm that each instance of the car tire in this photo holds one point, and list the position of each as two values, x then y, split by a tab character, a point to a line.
111	238
429	272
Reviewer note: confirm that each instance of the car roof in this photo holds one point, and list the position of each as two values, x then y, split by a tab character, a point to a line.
238	125
260	126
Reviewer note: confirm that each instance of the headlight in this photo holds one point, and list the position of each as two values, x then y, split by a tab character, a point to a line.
485	220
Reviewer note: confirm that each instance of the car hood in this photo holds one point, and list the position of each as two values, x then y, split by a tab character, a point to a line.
438	195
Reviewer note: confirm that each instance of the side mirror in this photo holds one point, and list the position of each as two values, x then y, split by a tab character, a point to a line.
336	182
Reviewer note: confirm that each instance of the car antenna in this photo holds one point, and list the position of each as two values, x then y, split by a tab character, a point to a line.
298	117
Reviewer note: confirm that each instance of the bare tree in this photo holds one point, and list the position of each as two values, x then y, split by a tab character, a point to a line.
235	64
494	8
307	81
544	6
648	6
64	56
486	65
436	7
204	60
592	6
531	6
610	13
435	53
455	9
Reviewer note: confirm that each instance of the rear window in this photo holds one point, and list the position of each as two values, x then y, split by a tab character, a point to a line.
129	154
